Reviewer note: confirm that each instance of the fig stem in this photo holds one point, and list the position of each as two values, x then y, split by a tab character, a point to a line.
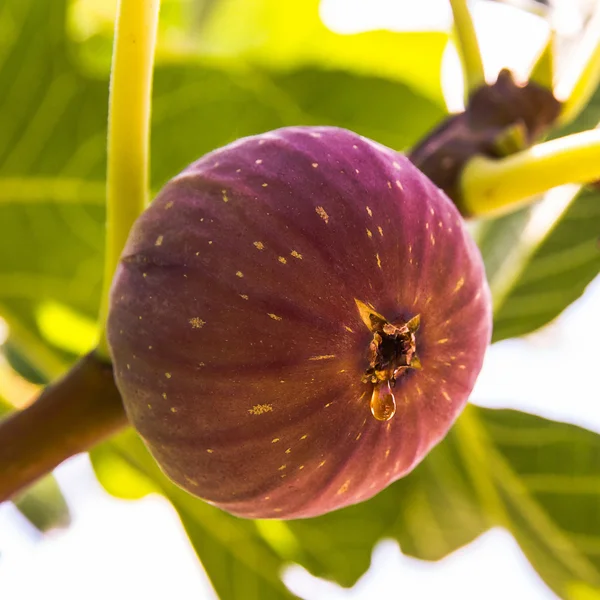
70	416
492	186
580	78
468	46
128	134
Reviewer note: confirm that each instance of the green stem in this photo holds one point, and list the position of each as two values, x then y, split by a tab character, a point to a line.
542	71
468	46
581	77
128	134
493	186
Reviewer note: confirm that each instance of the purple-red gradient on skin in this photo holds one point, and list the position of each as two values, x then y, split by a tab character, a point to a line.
237	342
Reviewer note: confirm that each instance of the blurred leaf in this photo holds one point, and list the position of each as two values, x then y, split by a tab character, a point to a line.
582	592
65	328
118	476
43	504
50	246
288	35
21	365
270	35
52	151
199	108
546	490
541	259
239	563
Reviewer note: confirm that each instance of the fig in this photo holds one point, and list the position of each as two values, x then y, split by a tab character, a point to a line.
296	320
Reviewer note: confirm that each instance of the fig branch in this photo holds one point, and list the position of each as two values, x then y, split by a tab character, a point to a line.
128	133
468	46
491	186
70	416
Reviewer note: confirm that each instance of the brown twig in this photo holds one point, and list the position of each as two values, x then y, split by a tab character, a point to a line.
70	416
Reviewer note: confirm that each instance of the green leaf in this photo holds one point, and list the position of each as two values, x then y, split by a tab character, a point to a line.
238	561
273	36
540	260
52	151
21	364
285	36
117	473
199	108
546	488
65	328
49	249
583	592
43	504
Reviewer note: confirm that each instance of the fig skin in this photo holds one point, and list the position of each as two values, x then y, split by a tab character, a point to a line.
235	330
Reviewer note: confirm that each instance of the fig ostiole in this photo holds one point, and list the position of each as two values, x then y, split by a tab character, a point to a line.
297	319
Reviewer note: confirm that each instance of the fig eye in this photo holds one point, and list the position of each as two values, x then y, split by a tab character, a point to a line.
392	351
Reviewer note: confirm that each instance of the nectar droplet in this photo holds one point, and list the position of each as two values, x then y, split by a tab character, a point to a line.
383	403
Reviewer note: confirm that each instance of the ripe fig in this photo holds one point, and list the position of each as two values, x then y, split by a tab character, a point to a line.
296	320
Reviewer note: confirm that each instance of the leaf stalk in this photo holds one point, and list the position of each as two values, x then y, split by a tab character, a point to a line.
128	134
493	186
468	46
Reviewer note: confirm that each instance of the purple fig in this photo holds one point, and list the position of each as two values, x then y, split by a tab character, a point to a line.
297	319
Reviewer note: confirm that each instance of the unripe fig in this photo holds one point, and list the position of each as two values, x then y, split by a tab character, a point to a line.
296	320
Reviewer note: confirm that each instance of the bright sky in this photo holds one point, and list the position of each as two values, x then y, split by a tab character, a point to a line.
119	550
